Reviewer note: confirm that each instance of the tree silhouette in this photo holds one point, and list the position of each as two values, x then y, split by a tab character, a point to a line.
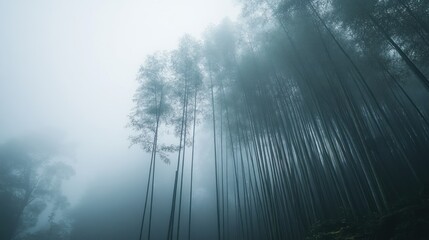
31	178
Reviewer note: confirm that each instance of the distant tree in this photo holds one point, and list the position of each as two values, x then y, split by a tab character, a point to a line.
187	82
151	104
31	174
152	107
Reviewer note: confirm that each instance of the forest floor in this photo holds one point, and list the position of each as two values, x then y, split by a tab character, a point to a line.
406	221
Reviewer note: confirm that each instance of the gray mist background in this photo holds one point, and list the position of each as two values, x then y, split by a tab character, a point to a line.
69	67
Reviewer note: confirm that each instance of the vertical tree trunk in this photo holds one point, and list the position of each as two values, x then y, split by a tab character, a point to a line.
192	164
215	156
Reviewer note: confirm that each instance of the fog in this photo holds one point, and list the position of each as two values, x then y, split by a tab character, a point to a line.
214	119
70	67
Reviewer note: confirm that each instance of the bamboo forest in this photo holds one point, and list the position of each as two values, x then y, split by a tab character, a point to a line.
275	119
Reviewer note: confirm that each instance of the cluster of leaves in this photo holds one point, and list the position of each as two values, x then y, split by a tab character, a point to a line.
166	81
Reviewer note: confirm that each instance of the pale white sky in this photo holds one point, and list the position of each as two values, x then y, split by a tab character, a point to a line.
71	65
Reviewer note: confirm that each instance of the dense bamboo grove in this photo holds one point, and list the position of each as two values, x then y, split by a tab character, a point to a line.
318	108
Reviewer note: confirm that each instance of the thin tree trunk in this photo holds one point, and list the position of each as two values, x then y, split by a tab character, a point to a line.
192	164
215	157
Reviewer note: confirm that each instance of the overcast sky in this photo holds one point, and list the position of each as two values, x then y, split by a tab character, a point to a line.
71	66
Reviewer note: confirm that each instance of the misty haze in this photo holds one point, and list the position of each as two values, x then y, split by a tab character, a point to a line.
214	119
